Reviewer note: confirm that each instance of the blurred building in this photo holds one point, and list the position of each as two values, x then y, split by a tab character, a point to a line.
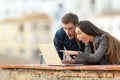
109	23
17	8
21	37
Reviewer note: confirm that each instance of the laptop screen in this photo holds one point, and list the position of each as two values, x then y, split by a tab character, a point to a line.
50	54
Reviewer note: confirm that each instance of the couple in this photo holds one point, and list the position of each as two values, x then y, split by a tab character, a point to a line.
85	43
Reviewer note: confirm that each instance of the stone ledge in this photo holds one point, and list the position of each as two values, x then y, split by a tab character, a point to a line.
46	67
36	74
45	72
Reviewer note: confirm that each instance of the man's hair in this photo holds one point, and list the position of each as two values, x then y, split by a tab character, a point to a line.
70	17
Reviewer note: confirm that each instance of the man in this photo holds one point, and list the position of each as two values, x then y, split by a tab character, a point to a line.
64	38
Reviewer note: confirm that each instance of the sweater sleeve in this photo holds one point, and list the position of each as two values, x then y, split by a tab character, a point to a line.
58	42
99	53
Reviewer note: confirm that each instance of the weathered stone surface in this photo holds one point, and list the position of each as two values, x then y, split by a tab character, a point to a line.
45	73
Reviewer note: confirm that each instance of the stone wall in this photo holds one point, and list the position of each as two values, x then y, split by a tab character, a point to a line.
58	73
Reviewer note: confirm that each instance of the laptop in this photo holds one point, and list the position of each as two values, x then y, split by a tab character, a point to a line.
51	56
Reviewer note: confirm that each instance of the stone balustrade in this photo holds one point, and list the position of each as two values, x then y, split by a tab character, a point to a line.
45	72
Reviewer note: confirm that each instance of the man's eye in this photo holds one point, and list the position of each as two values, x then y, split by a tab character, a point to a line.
68	28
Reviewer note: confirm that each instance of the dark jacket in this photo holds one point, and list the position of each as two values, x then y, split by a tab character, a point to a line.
99	57
61	41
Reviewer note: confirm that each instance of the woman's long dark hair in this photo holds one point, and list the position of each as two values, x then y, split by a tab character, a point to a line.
113	51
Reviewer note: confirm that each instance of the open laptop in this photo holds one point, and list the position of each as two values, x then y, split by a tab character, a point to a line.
51	56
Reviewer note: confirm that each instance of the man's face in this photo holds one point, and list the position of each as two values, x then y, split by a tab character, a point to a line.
69	30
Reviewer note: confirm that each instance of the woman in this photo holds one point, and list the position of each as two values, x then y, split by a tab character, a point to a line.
100	46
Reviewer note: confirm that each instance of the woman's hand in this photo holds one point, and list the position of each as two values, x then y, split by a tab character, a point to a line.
68	53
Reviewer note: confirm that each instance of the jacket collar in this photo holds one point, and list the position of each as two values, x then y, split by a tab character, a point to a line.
97	39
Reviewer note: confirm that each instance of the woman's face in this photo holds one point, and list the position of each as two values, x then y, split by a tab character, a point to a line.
81	36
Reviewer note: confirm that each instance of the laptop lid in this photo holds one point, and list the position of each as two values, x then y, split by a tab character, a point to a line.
50	54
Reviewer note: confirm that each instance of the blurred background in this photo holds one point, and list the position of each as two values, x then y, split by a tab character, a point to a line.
24	24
